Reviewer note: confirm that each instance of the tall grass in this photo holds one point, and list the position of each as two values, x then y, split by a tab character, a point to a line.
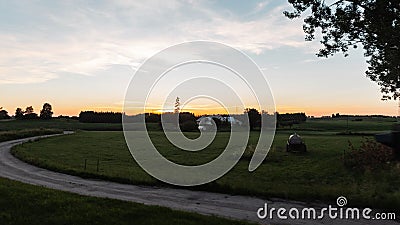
23	204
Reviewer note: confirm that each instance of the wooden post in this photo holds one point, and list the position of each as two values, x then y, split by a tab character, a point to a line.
98	162
85	164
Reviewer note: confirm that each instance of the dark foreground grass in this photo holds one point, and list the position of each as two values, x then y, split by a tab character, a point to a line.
316	175
17	134
22	204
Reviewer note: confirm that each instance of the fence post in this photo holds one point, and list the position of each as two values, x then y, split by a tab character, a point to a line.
98	161
85	164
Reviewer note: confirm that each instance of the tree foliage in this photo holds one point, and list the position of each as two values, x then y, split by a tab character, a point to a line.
19	114
4	114
177	105
100	117
29	110
46	112
29	113
254	118
344	24
289	119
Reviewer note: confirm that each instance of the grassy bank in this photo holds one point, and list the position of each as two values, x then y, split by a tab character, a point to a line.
316	175
22	204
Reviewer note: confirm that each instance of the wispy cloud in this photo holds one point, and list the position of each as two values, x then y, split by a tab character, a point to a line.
75	37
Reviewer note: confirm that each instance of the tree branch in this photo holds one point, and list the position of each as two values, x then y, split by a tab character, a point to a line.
356	2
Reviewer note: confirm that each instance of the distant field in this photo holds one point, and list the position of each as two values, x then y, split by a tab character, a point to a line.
317	175
17	134
23	204
342	124
63	124
368	125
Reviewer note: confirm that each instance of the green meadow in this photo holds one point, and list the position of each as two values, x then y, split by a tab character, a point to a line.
318	175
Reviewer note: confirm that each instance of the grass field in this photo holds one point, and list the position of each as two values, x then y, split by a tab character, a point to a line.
63	124
367	125
17	134
22	204
316	175
325	125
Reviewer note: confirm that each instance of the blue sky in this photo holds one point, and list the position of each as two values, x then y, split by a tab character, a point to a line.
81	55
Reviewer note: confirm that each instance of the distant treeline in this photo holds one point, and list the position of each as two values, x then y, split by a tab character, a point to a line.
188	120
28	114
337	115
288	119
100	117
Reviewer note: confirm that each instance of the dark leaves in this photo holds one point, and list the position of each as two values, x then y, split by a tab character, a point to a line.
373	24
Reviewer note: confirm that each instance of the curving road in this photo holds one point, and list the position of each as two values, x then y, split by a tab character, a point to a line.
233	207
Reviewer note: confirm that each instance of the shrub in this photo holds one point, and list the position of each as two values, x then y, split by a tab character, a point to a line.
371	155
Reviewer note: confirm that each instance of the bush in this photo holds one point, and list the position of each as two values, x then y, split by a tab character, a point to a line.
371	155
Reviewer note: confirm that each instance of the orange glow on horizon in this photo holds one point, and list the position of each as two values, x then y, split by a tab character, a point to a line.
74	108
317	112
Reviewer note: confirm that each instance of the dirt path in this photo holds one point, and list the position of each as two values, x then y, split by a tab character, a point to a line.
234	207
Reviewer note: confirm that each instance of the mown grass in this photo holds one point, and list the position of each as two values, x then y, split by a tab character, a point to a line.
316	175
22	204
17	134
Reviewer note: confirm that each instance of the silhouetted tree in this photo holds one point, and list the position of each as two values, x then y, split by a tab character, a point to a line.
100	117
177	105
186	116
289	119
29	113
254	118
187	121
152	118
4	114
46	112
374	24
19	114
29	110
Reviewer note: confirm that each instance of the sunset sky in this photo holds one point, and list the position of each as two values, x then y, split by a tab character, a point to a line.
81	55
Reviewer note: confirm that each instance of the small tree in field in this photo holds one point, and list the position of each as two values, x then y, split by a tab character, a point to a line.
4	114
177	105
19	114
29	110
46	112
29	113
